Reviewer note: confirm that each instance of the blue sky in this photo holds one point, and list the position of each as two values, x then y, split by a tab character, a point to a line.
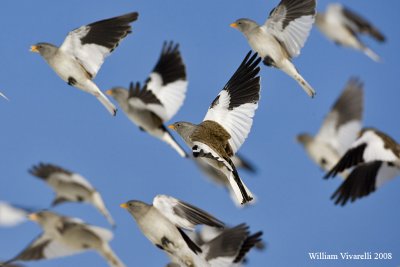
48	121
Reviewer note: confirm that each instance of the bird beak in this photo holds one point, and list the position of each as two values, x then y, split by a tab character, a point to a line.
172	127
234	25
124	205
33	217
109	92
34	49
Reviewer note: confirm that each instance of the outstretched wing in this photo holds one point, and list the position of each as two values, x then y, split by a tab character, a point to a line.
343	123
354	21
372	145
92	43
235	105
182	214
290	22
168	82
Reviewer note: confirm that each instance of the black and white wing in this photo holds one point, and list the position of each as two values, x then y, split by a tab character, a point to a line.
165	89
354	22
372	145
344	122
235	105
50	171
44	247
230	246
92	43
12	215
290	22
182	214
363	180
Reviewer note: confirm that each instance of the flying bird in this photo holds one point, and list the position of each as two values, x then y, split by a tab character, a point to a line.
70	187
164	224
161	96
375	159
219	178
227	124
63	236
339	129
344	27
282	36
80	57
164	221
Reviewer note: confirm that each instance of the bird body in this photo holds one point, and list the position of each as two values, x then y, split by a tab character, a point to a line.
80	57
63	236
164	222
343	26
282	36
339	129
227	124
159	99
70	187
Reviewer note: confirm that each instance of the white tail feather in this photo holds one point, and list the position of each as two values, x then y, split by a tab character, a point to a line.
99	204
235	188
290	70
371	54
107	103
169	140
110	256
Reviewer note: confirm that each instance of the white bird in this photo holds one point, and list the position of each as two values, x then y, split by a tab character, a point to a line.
339	129
375	159
343	26
164	224
80	57
282	36
70	187
227	124
160	97
63	236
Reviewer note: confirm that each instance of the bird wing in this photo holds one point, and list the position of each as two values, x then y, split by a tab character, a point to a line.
363	180
92	43
182	214
371	146
103	233
44	247
168	82
142	98
355	22
343	123
47	171
235	105
290	22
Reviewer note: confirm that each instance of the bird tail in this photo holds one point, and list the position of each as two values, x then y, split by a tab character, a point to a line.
99	204
106	103
290	70
242	193
108	254
167	138
371	54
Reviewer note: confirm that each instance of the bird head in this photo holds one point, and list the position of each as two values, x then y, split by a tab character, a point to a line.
44	217
244	25
184	129
304	138
44	49
118	93
136	208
